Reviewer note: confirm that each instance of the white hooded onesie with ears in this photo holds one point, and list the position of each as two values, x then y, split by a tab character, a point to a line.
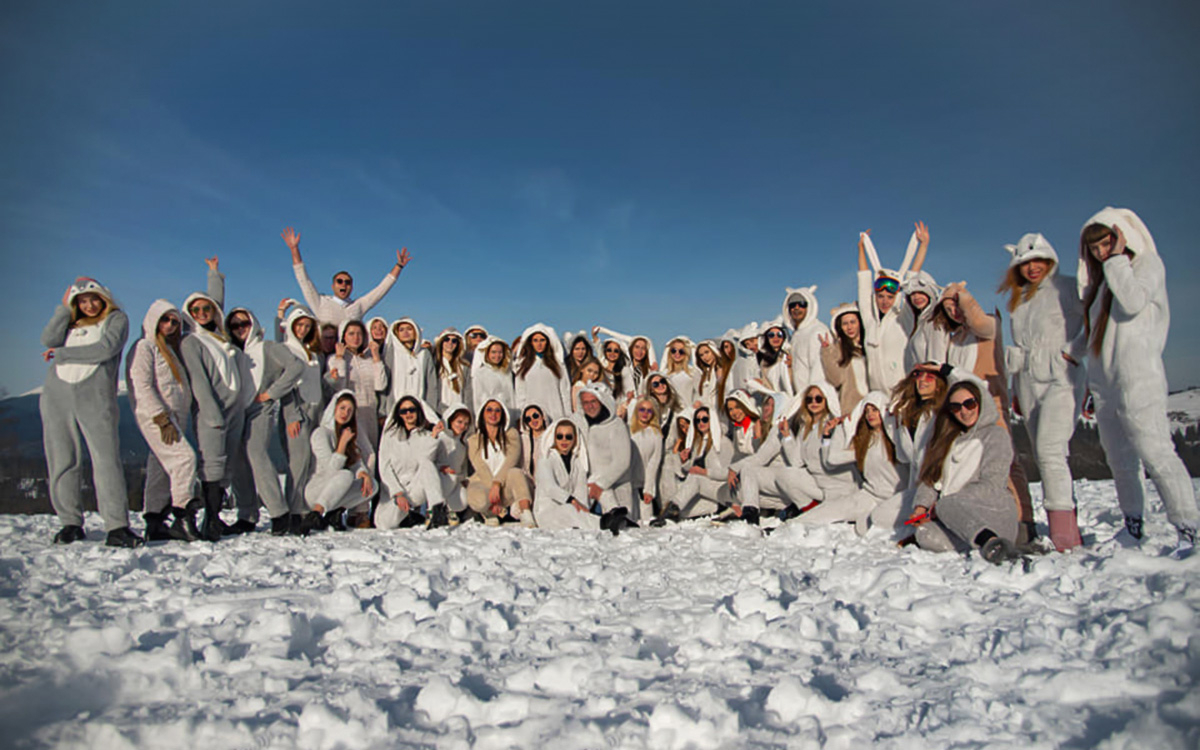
610	455
540	385
489	381
557	485
805	338
407	465
334	484
1048	388
885	336
1127	379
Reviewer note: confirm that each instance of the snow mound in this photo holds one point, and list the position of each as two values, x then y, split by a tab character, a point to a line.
685	637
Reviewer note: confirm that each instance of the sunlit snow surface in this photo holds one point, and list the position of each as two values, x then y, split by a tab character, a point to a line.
691	636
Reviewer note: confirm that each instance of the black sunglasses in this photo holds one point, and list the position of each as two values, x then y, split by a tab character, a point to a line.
563	436
970	404
658	383
799	303
406	410
702	420
530	417
240	324
814	399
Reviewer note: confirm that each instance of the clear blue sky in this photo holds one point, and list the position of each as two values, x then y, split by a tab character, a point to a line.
658	168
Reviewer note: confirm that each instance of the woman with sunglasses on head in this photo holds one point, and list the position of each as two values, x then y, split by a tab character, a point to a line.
885	329
296	327
773	358
453	369
358	366
647	439
702	487
491	373
711	373
676	365
213	368
1045	315
497	487
539	374
408	473
562	477
343	464
843	357
83	341
863	441
270	373
1126	320
963	501
531	429
804	330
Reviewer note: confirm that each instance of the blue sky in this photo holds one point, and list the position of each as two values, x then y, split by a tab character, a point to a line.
658	168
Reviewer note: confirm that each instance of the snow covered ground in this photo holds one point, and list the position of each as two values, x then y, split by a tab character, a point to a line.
692	636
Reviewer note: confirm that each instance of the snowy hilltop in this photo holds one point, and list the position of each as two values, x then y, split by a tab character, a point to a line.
689	637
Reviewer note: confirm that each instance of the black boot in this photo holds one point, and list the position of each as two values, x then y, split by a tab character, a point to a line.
213	498
750	515
312	521
241	526
669	513
438	517
335	519
183	527
68	534
297	525
281	525
156	527
615	520
995	549
123	537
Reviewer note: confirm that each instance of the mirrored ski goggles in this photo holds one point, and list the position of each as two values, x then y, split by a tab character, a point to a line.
887	284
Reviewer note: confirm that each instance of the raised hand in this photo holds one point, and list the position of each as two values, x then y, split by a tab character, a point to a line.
862	248
292	238
1118	246
785	429
212	263
374	349
922	232
340	350
402	257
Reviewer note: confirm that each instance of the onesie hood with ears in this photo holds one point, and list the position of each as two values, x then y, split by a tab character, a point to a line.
809	295
1138	239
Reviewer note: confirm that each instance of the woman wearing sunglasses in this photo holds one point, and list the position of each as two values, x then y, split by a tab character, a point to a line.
962	501
531	429
1127	317
562	479
540	377
622	377
270	373
843	357
1046	314
638	349
704	468
885	329
408	473
647	458
453	369
773	358
864	441
678	369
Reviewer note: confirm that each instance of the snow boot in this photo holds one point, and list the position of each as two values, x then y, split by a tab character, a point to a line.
123	537
1130	537
69	533
335	519
1027	533
751	516
439	517
997	550
214	496
242	526
615	520
281	525
312	521
1187	543
670	512
1064	529
183	527
156	527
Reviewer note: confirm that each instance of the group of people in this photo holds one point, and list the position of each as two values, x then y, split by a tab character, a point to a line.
894	416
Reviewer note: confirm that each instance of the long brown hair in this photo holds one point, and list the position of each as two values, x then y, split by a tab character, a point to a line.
850	350
699	442
719	368
455	366
501	429
1094	330
528	356
805	418
644	366
311	344
864	435
1017	288
946	430
907	404
169	347
351	423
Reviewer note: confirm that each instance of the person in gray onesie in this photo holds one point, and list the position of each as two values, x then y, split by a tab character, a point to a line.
269	377
216	378
84	340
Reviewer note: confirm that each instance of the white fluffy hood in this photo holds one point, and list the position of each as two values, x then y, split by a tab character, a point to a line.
880	401
809	295
158	308
91	286
327	420
1138	239
1032	246
556	346
578	453
842	309
190	325
827	390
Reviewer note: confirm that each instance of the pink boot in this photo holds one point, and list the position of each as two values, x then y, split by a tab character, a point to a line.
1064	530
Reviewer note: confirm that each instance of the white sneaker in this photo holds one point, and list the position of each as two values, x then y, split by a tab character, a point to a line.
527	519
1187	543
491	521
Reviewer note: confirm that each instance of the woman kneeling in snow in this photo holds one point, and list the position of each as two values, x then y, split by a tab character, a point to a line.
963	500
340	478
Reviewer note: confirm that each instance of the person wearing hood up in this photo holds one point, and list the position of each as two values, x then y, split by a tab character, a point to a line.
539	374
407	468
340	307
358	366
1046	314
746	436
343	465
677	367
885	330
639	354
619	373
452	463
963	501
84	339
161	399
1122	282
497	487
764	470
921	294
711	373
864	441
773	358
574	352
296	327
672	471
269	376
704	466
658	387
843	357
562	473
491	373
453	369
610	460
473	336
218	415
377	331
411	369
799	317
647	457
